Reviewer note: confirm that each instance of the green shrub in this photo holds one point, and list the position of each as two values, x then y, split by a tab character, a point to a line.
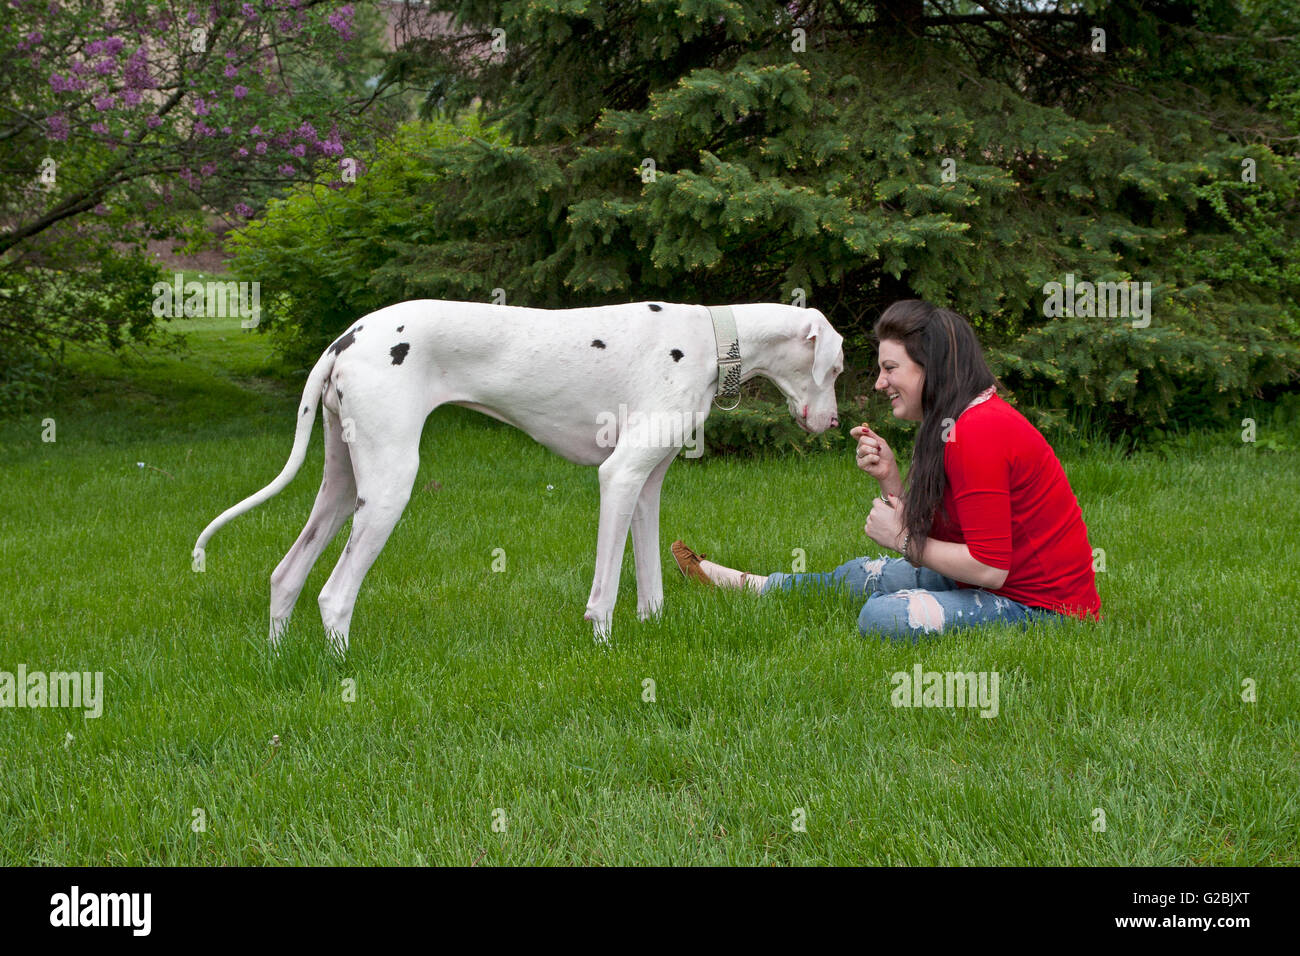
319	254
1223	329
43	310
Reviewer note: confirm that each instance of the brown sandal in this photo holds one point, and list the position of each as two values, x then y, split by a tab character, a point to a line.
689	562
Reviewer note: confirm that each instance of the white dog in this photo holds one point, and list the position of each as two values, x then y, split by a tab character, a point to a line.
594	385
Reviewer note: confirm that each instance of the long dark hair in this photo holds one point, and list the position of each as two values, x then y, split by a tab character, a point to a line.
944	344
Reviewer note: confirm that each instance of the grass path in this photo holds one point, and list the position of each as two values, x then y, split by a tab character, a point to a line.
487	726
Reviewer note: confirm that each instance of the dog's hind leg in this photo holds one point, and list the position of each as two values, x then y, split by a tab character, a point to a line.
385	460
334	503
645	543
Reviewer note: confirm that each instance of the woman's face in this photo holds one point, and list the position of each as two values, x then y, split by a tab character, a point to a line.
901	380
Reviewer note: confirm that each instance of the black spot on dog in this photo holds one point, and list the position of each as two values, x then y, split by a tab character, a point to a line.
340	392
398	352
361	503
311	535
597	344
677	354
305	409
400	327
344	341
656	308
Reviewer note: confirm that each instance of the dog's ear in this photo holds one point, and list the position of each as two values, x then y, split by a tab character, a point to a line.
826	349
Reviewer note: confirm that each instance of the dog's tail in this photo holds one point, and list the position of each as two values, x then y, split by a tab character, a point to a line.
311	396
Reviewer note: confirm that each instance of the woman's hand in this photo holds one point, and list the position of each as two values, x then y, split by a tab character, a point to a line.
876	458
886	522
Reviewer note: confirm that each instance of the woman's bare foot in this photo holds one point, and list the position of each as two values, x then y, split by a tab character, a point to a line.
731	578
696	568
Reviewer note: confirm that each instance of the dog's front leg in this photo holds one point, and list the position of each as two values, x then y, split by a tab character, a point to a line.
622	476
645	542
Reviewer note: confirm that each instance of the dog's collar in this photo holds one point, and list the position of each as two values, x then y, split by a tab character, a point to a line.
728	340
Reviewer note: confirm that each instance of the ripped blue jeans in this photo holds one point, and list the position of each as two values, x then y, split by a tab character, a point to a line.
906	602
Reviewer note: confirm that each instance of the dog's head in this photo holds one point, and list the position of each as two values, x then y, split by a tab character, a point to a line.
806	357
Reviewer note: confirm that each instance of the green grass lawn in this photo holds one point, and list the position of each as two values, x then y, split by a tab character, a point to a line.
487	726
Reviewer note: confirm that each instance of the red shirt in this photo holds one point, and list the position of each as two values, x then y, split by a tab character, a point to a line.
1009	502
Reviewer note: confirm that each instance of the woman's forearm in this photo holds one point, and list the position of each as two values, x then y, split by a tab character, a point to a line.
892	484
954	560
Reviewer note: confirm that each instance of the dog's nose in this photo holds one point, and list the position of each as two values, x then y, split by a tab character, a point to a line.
835	421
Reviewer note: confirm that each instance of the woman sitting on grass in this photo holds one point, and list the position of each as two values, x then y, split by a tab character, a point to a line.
988	527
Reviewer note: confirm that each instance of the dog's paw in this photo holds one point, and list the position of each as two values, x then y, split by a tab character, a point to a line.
650	613
600	627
